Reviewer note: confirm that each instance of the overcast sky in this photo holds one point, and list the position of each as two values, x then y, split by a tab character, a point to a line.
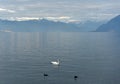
63	10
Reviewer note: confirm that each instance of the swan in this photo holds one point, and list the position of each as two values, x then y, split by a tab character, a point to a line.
55	62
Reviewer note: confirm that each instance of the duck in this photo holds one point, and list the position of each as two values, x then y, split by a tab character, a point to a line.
55	62
75	77
45	74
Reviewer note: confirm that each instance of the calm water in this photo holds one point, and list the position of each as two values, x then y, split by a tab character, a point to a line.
94	57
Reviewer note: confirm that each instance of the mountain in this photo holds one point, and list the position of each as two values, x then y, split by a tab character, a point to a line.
47	25
37	26
111	26
89	25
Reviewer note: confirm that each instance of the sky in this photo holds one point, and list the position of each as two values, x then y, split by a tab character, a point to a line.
59	10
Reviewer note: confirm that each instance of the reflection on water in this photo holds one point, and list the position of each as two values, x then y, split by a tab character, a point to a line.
93	57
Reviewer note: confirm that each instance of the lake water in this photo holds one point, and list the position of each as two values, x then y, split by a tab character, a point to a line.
93	57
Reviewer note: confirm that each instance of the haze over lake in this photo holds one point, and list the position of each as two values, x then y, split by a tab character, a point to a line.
93	57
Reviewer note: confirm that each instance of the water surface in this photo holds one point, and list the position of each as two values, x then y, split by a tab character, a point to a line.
93	57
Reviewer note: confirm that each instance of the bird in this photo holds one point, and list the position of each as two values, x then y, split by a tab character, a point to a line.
75	77
45	74
55	62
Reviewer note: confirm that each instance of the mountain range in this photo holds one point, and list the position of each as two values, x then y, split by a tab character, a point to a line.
46	25
36	25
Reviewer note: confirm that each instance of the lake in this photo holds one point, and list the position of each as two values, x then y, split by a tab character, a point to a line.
93	56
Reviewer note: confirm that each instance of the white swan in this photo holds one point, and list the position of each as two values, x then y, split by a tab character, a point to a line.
55	62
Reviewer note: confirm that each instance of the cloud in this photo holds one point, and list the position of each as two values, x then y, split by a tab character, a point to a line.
58	18
6	10
62	10
61	18
24	18
64	17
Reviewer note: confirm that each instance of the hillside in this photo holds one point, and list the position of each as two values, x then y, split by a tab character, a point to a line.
111	26
37	26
